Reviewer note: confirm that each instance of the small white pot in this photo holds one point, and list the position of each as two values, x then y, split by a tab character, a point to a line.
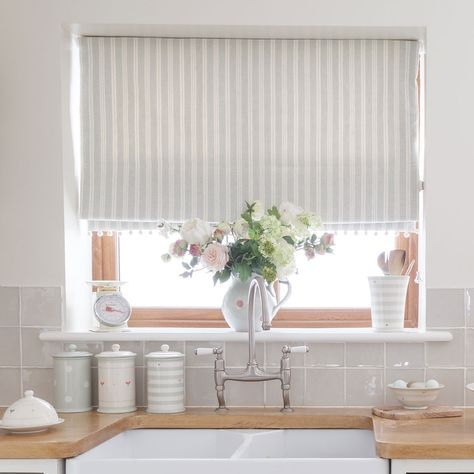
387	301
116	381
165	381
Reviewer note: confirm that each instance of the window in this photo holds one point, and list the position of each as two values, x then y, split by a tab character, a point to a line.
174	128
329	292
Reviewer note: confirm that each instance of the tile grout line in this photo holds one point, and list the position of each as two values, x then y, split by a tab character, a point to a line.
20	310
384	374
344	361
466	311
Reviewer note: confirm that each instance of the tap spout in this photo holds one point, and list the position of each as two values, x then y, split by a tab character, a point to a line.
257	283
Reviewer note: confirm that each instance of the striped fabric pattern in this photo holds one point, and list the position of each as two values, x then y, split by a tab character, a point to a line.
165	386
179	128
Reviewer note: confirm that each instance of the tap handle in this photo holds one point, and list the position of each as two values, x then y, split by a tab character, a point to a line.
295	349
208	351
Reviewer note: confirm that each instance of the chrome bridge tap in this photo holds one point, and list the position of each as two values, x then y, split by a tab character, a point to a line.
253	373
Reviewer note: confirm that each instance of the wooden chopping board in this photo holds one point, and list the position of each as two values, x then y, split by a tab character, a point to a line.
399	413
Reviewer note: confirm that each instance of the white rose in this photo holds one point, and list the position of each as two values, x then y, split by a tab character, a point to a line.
289	213
258	210
196	231
241	228
224	227
216	256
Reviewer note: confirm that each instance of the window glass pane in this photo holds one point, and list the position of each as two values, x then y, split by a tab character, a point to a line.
329	281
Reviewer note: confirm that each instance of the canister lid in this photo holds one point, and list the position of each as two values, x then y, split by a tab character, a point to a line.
72	352
165	353
116	353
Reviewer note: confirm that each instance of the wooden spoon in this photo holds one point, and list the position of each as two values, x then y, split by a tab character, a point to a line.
396	261
383	263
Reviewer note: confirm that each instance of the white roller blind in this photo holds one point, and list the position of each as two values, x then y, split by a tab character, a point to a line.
178	128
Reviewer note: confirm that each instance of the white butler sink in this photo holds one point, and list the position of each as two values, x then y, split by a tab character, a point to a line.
186	451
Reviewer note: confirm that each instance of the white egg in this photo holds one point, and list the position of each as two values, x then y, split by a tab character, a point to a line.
399	384
416	385
432	383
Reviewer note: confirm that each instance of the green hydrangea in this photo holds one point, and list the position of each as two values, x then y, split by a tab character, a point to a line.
269	273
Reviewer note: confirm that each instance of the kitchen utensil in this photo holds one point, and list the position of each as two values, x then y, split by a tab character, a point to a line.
387	301
72	380
410	267
398	413
383	263
396	261
165	381
116	381
29	415
416	398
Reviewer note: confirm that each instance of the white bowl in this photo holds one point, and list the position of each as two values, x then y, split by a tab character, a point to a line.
416	398
29	411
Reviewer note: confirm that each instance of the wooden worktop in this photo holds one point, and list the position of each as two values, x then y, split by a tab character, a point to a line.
451	438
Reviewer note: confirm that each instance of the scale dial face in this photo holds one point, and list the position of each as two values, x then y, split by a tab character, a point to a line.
112	310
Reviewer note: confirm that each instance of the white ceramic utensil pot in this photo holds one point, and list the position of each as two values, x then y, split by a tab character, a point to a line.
72	380
387	301
116	381
165	381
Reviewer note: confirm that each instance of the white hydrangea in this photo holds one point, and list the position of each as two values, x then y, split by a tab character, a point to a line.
272	226
289	212
283	254
284	272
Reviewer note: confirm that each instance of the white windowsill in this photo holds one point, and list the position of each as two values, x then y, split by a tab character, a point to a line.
362	335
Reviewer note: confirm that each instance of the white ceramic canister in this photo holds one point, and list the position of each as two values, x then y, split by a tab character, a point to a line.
72	380
116	381
387	301
165	381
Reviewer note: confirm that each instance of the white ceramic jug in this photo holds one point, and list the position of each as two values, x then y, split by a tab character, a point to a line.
235	304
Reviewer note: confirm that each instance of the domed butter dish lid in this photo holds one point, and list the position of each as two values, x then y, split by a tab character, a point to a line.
115	353
165	353
29	414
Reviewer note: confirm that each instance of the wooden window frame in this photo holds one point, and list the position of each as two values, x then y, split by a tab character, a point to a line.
105	266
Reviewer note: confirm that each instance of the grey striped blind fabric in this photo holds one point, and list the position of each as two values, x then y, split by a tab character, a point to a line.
179	128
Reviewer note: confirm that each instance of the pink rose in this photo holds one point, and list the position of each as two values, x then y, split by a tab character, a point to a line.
178	248
216	256
327	240
309	252
195	250
320	249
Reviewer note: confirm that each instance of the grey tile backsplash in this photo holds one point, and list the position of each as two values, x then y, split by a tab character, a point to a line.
329	375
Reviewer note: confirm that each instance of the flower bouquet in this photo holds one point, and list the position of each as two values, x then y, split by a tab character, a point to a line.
258	242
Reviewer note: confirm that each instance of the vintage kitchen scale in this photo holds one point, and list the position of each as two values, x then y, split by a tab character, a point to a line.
111	310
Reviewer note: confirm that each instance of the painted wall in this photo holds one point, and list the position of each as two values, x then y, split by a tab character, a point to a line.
39	237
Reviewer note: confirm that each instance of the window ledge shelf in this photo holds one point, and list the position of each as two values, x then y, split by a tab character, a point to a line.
363	335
